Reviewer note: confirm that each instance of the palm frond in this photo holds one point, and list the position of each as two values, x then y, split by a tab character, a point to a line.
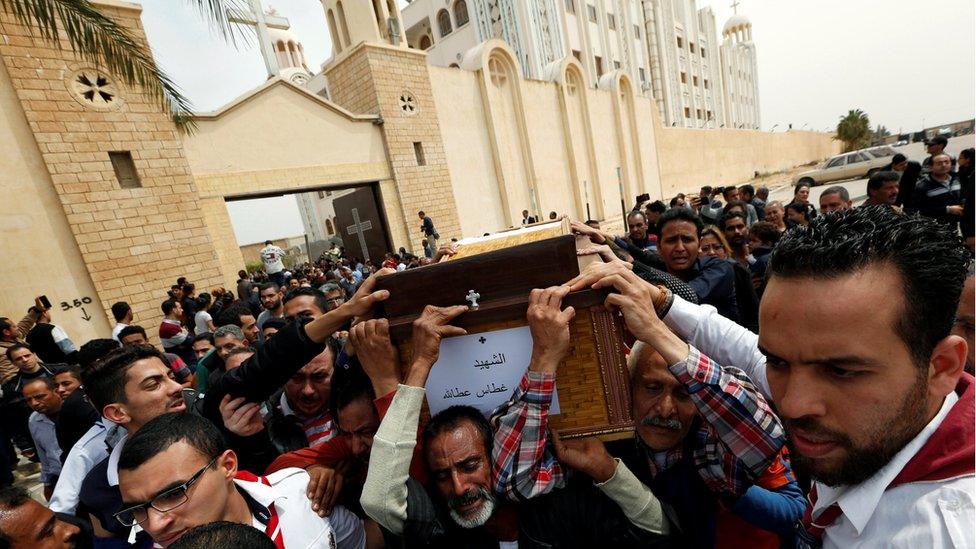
216	14
101	41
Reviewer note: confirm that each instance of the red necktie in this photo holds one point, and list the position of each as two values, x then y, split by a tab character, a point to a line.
813	529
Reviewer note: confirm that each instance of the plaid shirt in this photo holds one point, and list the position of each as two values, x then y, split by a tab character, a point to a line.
524	466
737	438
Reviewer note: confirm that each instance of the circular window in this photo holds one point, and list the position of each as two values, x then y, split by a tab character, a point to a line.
94	89
299	79
408	103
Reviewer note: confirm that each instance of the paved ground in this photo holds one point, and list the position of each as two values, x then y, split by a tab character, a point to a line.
782	189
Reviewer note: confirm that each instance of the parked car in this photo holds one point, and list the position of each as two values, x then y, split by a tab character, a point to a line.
850	165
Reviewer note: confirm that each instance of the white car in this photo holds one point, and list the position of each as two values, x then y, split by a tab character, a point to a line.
850	165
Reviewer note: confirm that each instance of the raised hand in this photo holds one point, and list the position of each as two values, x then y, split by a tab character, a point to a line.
549	324
587	455
240	417
594	235
376	353
428	331
366	296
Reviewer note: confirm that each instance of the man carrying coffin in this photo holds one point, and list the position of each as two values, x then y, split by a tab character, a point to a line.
707	443
461	506
865	374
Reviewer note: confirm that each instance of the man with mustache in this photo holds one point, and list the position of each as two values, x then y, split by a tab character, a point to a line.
707	444
26	524
464	505
865	375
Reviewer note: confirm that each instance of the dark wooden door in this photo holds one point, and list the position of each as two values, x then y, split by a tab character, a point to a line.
360	225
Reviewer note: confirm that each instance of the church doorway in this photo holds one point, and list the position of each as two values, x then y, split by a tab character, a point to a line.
308	223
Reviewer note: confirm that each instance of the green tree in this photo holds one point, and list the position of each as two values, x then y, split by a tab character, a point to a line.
881	132
854	129
98	39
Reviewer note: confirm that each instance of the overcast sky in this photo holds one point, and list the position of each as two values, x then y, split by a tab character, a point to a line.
904	62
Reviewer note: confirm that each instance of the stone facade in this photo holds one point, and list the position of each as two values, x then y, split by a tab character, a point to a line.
134	242
394	82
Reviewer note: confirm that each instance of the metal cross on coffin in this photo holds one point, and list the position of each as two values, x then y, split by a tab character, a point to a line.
358	228
473	298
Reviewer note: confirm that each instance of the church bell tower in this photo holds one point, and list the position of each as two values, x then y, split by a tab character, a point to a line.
373	71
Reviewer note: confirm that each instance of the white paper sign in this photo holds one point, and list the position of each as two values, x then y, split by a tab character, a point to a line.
481	370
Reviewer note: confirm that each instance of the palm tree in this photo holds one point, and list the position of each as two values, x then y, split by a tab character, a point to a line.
100	40
854	129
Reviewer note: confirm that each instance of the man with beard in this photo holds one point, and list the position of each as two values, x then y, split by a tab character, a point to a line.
462	507
870	387
271	296
26	524
707	443
736	231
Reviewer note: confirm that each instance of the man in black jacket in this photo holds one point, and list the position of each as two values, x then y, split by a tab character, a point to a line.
939	194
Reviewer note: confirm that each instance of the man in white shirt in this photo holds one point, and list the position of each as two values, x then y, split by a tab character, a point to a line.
271	255
177	473
122	313
869	384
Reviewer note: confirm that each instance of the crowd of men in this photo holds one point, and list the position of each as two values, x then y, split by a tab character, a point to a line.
798	377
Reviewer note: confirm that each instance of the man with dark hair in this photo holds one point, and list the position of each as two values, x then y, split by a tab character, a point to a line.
735	225
51	342
271	327
26	524
936	146
223	534
14	408
68	380
836	198
305	303
466	508
965	323
882	189
526	218
731	194
136	335
270	295
638	239
653	212
175	338
712	278
593	223
42	398
122	313
898	164
747	193
939	195
177	473
241	316
427	229
763	238
14	332
133	385
870	388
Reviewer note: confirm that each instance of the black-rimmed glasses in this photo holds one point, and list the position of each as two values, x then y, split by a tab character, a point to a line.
164	502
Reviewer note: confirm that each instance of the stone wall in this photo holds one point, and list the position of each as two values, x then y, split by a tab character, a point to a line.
134	242
691	158
395	83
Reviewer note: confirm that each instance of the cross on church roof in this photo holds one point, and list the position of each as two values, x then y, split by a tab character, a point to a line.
735	6
256	17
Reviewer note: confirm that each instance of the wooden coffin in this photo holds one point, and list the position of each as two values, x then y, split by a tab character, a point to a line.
592	383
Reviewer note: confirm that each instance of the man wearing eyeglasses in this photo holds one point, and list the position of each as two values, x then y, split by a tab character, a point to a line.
177	473
132	386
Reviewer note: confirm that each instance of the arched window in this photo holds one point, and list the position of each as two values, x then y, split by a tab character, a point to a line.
461	13
280	46
425	42
292	55
342	24
444	22
328	226
497	72
336	39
